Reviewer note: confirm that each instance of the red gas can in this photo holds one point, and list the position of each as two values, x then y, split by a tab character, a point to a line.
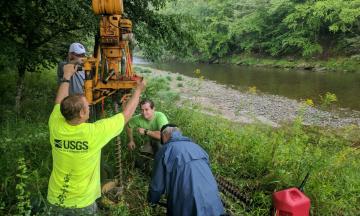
291	202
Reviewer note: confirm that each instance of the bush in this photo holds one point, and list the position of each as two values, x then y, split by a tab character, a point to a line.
328	99
179	78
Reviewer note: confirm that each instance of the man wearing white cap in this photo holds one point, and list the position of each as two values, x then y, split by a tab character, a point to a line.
76	52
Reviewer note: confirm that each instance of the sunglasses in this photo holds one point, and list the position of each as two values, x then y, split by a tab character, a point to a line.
78	55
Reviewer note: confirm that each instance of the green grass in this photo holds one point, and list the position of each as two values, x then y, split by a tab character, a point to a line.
258	158
169	78
179	78
26	136
343	64
141	70
273	159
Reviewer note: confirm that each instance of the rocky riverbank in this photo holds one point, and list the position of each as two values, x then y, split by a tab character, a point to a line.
251	107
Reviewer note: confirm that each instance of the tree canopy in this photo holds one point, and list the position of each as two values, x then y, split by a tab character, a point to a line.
305	28
38	32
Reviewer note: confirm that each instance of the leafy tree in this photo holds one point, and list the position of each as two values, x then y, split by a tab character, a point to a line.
208	22
38	32
157	33
276	27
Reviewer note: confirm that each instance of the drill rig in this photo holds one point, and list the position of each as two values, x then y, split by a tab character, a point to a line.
110	69
109	72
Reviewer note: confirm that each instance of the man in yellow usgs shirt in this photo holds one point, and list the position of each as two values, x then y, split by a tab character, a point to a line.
76	147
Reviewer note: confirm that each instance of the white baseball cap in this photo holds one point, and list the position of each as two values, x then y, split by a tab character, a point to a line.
77	48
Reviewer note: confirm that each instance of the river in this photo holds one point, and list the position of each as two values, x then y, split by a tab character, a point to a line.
293	83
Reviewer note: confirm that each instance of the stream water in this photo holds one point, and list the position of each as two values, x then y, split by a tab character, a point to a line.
296	84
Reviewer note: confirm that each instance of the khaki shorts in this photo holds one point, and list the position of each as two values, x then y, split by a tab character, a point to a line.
150	147
147	148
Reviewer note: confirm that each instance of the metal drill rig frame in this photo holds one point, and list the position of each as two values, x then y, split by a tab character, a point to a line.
109	73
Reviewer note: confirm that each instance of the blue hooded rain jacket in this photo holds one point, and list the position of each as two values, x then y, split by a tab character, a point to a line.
182	171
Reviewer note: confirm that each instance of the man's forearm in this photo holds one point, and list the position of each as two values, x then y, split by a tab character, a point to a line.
131	105
154	134
129	133
62	92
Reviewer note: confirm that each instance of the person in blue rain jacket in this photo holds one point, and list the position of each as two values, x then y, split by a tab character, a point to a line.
182	172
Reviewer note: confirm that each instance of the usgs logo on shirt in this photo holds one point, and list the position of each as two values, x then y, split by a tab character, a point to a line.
71	145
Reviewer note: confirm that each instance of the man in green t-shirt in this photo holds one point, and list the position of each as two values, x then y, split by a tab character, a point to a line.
74	183
147	124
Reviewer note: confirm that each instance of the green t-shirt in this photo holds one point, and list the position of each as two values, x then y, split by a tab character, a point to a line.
76	154
154	124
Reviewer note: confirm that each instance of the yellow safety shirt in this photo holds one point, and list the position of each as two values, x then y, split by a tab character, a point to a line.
76	150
